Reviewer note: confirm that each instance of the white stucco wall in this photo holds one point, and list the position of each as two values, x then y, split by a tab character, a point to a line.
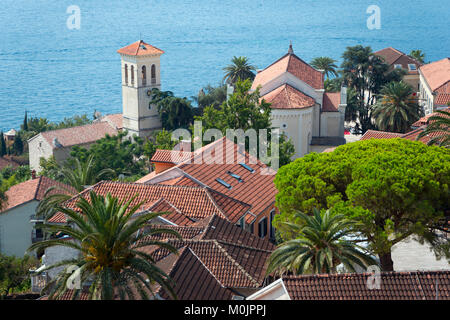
15	229
56	254
411	255
38	148
426	96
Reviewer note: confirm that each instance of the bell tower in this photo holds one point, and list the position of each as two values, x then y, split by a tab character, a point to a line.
140	74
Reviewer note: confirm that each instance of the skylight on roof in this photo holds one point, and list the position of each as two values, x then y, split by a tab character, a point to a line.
234	175
412	67
397	66
224	183
247	167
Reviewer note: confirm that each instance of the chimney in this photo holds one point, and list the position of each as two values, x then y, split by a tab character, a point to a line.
33	174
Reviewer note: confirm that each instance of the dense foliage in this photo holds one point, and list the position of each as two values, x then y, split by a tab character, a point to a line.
109	241
396	188
15	274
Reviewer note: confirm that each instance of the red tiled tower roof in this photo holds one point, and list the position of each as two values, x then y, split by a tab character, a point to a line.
140	48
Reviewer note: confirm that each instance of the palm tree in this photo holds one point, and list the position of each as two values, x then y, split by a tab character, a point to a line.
240	68
396	110
109	241
319	246
79	175
418	55
326	64
438	128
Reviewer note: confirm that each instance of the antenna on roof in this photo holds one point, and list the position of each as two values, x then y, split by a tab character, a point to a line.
290	51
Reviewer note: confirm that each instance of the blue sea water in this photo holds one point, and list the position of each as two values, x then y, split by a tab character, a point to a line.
54	72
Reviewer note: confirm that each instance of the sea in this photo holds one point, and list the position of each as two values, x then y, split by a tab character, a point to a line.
52	69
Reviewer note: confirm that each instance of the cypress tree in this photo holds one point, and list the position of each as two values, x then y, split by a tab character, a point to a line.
2	145
25	122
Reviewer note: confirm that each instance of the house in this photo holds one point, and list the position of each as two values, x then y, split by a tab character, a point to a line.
247	181
311	117
399	60
59	143
17	217
418	285
216	260
435	85
418	127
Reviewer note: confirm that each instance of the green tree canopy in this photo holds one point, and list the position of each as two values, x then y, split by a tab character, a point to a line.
418	55
239	69
109	240
396	109
365	73
327	64
395	187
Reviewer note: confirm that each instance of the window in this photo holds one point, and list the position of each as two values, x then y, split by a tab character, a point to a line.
272	229
242	223
397	66
153	74
262	228
225	184
126	74
412	67
247	167
132	75
234	175
144	76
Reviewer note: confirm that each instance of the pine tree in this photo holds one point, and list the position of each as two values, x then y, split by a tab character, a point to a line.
25	122
2	145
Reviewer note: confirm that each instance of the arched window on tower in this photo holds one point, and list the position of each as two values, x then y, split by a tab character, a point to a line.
144	76
153	74
132	75
126	74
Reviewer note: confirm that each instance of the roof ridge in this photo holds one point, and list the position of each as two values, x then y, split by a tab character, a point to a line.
235	263
76	127
242	246
215	203
214	276
208	226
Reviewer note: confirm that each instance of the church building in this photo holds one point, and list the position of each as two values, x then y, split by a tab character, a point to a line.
312	118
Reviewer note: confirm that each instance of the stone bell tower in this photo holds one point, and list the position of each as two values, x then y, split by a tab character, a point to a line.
140	74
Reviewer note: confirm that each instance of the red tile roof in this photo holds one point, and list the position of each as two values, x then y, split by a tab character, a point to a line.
170	156
419	285
331	101
424	120
193	202
33	189
287	97
115	120
374	134
393	56
437	75
294	65
79	135
442	99
140	48
236	258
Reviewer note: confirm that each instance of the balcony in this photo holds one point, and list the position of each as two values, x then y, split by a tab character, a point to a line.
38	281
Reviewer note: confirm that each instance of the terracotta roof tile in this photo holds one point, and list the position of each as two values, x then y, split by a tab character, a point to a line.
140	48
442	99
79	135
437	75
374	134
424	120
393	56
193	202
294	65
419	285
170	156
331	101
115	120
33	189
287	97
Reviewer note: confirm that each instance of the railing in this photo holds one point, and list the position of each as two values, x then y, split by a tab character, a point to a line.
38	281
